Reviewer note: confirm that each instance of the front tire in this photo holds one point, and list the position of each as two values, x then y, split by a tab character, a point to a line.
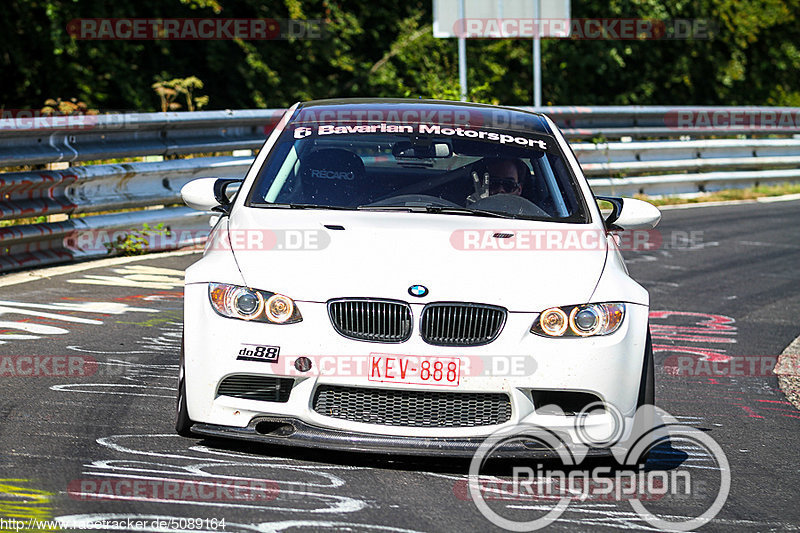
647	388
645	418
183	424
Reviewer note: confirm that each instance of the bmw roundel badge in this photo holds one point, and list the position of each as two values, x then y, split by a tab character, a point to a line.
418	290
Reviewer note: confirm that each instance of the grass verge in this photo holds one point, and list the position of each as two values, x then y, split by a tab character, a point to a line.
728	194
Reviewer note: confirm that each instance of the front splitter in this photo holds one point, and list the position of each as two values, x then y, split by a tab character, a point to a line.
294	432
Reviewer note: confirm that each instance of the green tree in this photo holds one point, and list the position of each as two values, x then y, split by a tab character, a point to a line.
387	49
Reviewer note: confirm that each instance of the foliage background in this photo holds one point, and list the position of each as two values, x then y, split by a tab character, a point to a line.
387	49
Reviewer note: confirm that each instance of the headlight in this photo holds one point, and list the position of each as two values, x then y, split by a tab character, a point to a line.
553	322
233	301
280	308
579	320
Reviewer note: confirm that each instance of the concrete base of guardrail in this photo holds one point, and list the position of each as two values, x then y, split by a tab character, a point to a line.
788	372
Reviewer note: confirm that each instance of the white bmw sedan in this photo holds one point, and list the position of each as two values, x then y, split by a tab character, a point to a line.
409	276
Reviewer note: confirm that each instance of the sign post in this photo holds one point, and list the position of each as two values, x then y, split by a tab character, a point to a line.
462	50
537	56
501	19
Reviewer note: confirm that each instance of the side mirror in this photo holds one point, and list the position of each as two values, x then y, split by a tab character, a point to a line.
630	213
209	194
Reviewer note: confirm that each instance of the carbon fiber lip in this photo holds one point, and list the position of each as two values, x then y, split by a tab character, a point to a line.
293	432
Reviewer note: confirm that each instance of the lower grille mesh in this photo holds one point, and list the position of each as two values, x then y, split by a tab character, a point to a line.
262	388
412	408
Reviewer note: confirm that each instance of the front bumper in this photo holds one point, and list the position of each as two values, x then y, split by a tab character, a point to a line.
608	367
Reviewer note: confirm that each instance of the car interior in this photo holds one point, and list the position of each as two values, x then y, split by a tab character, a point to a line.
375	171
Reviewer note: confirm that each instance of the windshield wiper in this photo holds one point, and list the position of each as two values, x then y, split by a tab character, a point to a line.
435	209
408	208
467	211
445	210
298	206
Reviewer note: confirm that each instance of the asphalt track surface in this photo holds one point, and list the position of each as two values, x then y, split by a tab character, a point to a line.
728	291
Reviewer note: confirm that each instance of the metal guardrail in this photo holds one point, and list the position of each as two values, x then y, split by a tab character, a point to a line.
668	184
103	137
97	137
613	122
677	167
623	168
94	188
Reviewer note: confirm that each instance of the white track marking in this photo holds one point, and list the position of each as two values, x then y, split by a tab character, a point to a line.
141	276
238	455
269	527
64	318
78	387
121	282
31	327
15	337
108	442
343	504
50	272
102	352
197	471
338	504
103	308
631	520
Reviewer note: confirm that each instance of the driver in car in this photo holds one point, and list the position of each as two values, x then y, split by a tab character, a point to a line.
496	175
503	177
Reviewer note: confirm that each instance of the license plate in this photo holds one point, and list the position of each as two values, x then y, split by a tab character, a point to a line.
415	370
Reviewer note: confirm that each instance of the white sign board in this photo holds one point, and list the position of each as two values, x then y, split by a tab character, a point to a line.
501	19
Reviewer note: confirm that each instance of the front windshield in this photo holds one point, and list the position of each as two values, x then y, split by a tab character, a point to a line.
419	167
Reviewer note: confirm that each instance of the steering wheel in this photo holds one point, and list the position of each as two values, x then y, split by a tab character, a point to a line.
510	204
414	200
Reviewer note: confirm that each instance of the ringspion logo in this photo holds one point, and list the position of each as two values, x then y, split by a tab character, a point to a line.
545	493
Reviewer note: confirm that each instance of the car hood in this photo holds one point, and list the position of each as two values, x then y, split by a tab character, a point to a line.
316	255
